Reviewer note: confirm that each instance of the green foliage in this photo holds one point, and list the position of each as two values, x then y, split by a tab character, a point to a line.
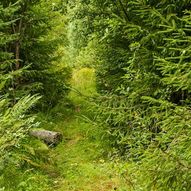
14	124
140	51
149	113
14	128
16	118
13	121
143	75
34	33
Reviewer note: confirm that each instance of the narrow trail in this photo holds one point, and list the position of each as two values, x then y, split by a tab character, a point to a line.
79	159
80	162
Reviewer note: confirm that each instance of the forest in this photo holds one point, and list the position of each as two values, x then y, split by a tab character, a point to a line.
109	80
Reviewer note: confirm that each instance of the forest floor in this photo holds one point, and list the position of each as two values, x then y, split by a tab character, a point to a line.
81	161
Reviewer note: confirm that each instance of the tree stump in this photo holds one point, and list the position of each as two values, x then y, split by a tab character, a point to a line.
51	138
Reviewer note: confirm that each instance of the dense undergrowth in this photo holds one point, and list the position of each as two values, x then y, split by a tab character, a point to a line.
142	53
136	108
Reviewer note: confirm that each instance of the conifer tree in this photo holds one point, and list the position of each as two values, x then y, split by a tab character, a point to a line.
14	123
143	50
35	29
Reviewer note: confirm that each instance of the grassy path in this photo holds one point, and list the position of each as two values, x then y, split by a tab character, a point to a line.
79	159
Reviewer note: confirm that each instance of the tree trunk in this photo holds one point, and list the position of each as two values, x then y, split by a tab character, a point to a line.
17	54
51	138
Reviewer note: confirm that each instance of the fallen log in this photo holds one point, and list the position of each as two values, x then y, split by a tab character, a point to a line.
51	138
